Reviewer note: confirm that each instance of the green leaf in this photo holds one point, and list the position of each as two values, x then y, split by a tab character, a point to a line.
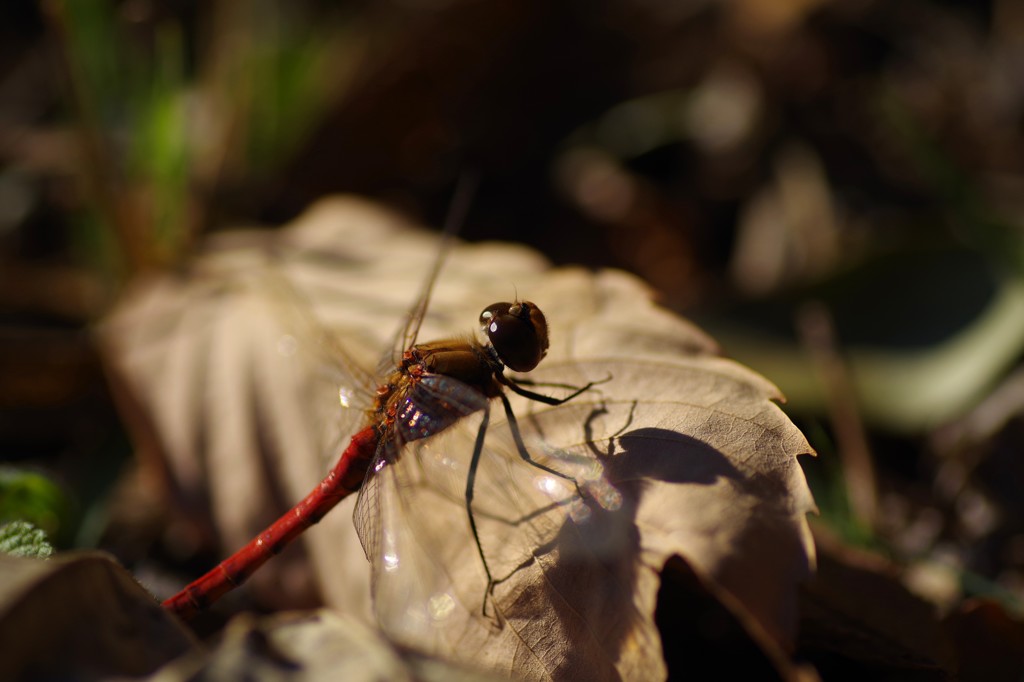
21	538
31	496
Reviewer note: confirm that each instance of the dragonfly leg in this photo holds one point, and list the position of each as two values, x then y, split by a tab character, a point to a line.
525	381
523	453
478	448
521	446
515	387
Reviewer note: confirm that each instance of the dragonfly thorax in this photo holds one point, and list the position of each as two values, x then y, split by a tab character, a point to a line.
518	333
419	396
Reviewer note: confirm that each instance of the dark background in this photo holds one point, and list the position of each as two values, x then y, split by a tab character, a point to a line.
834	189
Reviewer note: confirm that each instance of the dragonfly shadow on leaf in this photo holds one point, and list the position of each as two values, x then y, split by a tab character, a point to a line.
591	569
581	585
653	453
667	456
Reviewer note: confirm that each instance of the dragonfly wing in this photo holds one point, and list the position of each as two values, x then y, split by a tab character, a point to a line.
291	289
367	513
427	576
429	583
409	332
411	569
433	405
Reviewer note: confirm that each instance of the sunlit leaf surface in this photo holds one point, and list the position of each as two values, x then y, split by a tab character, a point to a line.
237	365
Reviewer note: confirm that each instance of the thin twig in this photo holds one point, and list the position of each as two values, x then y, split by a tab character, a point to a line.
817	331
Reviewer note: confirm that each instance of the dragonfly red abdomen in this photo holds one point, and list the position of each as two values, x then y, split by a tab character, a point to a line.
345	478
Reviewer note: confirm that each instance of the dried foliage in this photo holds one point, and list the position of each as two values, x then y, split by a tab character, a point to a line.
229	370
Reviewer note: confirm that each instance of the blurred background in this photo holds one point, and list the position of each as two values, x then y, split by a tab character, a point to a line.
833	189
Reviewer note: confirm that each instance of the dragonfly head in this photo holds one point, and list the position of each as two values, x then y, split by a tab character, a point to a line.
518	333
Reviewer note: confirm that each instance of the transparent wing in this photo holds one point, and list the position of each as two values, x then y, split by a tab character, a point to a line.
434	404
300	287
429	582
408	333
416	530
567	568
367	513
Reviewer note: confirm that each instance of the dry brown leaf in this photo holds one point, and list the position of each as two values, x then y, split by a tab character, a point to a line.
226	369
858	619
989	641
80	616
319	645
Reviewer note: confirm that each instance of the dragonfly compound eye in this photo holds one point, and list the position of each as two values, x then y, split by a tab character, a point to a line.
518	332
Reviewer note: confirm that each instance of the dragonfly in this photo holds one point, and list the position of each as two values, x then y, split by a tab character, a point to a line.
431	387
